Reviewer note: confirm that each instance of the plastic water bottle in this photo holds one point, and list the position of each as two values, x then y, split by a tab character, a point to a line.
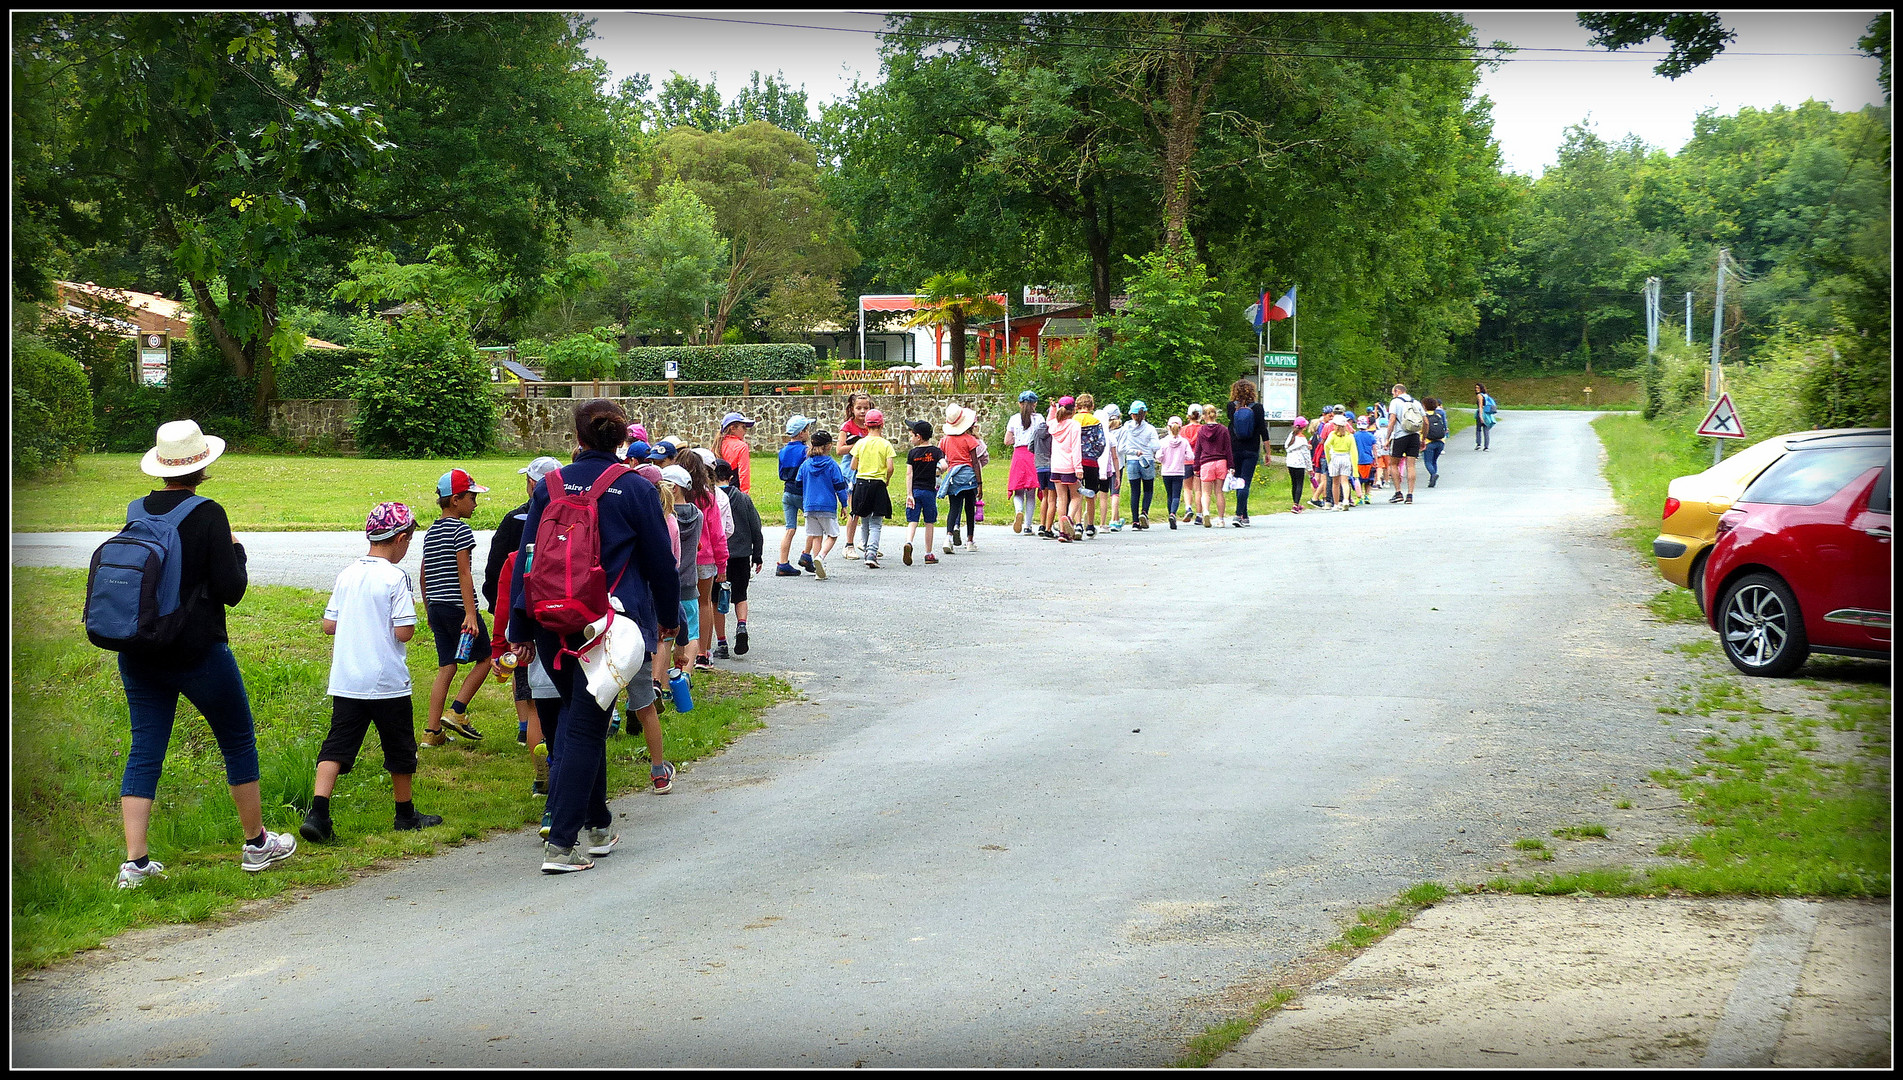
723	596
677	682
464	646
981	508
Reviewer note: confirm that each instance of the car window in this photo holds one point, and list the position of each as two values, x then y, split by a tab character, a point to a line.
1808	477
1880	494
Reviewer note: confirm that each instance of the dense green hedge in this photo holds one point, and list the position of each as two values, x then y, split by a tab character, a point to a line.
579	357
52	408
319	373
758	362
425	392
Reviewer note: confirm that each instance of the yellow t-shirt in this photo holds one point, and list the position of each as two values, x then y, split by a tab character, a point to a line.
1340	440
871	456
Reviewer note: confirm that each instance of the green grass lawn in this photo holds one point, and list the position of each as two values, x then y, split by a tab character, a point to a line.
70	736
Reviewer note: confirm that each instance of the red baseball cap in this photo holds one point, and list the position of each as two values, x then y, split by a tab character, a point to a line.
455	482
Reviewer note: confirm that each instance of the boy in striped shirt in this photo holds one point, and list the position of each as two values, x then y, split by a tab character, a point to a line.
449	598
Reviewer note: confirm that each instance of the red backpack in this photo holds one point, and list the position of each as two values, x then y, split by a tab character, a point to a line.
565	586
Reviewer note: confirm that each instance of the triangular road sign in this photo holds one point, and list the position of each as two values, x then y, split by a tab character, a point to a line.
1722	421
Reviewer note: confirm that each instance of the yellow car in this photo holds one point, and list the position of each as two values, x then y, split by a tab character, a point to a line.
1693	505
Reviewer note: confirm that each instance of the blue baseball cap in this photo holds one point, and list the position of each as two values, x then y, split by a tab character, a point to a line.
1028	395
638	451
1138	406
456	482
798	423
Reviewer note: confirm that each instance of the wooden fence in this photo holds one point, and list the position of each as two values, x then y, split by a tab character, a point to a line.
977	380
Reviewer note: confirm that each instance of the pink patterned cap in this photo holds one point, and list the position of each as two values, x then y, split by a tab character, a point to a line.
388	521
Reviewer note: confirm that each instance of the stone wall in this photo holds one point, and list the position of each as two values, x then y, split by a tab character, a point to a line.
546	425
315	423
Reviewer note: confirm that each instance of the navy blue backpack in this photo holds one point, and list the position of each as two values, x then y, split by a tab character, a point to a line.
132	590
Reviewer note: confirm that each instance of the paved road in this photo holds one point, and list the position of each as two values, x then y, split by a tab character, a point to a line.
1044	805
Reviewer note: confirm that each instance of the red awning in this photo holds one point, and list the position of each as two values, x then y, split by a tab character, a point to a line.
906	303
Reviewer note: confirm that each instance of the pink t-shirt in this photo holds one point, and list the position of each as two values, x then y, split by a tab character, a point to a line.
1173	454
1066	446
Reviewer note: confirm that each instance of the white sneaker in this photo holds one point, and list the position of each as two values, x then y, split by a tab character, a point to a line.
277	847
602	841
131	877
971	545
853	552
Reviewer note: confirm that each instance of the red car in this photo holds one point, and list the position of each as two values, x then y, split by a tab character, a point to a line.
1802	562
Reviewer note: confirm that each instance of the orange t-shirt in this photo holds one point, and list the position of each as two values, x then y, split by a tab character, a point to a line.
735	452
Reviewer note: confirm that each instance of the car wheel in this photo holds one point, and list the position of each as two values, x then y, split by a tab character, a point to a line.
1697	580
1760	626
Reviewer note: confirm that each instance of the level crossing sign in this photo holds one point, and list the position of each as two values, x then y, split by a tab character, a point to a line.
1722	421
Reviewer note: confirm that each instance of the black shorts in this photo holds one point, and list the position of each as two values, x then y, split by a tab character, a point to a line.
446	623
1093	480
350	719
1406	445
522	691
738	570
1044	480
871	499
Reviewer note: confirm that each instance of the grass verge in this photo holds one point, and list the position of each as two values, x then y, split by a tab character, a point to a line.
70	738
1369	926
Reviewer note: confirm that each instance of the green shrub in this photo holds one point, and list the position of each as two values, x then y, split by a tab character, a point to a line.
202	387
1167	342
425	392
1849	386
319	373
764	363
126	416
580	357
52	408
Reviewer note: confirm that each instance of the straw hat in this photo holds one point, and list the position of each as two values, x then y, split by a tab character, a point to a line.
182	450
962	422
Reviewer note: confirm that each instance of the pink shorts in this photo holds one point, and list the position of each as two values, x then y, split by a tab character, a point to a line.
1212	472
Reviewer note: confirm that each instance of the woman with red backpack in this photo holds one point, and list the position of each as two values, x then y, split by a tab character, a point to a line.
641	581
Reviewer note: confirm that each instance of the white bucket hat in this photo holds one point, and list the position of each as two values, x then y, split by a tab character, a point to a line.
960	425
182	450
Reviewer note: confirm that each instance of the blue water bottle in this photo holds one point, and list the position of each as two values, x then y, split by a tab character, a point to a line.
464	645
723	596
677	682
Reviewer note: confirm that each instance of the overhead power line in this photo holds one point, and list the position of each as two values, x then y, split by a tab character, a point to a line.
1625	56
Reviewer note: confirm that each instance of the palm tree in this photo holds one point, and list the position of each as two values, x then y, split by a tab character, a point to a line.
952	301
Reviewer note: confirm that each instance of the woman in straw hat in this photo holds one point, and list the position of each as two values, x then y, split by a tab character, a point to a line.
197	664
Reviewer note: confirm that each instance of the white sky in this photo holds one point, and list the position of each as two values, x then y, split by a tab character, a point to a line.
1534	100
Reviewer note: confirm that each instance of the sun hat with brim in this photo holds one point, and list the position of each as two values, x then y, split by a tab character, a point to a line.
966	418
182	450
735	418
677	476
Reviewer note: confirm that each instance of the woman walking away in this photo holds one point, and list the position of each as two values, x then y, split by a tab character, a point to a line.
194	659
1298	451
1192	432
1067	460
1215	461
1434	438
637	571
1173	456
1247	424
1139	444
1020	434
1484	410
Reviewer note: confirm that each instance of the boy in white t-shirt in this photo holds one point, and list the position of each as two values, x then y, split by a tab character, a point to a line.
372	614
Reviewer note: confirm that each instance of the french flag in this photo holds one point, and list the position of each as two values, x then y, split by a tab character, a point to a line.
1281	309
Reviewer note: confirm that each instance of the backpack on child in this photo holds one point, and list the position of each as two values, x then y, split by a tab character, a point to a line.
1090	444
564	585
1411	416
1436	427
132	588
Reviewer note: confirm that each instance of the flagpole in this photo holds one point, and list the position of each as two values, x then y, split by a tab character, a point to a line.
1295	330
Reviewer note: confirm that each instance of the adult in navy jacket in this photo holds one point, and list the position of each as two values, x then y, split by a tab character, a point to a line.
639	563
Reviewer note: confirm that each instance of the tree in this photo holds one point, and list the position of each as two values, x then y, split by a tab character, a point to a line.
762	184
1696	37
672	267
256	146
1168	347
952	301
796	306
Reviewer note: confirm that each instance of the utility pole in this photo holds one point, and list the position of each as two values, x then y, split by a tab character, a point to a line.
1651	317
1717	337
1688	318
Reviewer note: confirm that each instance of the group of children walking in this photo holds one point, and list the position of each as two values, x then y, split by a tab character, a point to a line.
1344	457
